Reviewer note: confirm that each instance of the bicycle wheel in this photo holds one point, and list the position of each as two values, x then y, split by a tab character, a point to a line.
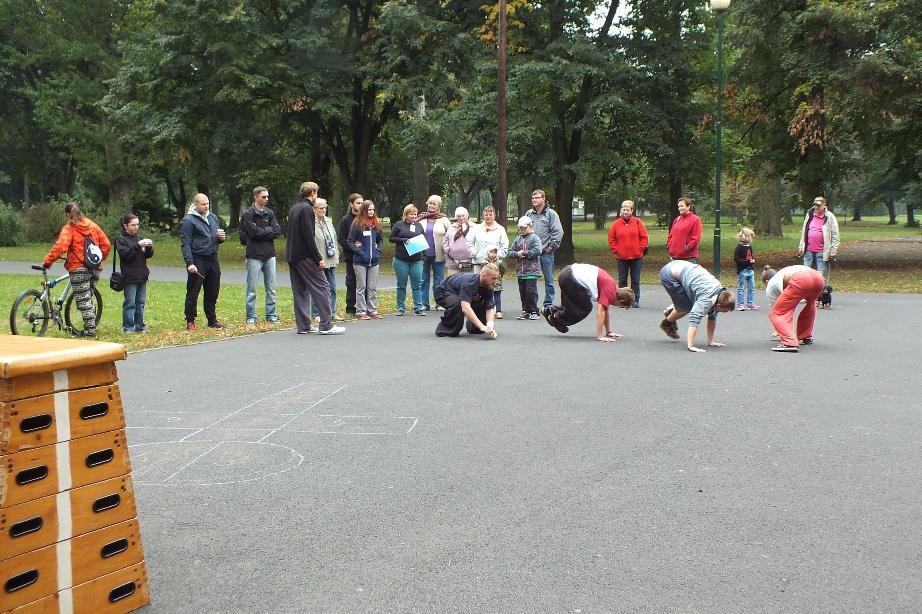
29	315
72	316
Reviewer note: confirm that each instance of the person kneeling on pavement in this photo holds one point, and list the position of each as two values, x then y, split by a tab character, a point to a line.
470	296
580	286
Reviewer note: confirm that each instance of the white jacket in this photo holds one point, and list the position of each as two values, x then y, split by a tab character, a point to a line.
480	240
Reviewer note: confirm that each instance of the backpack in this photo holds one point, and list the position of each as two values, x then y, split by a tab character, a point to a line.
92	255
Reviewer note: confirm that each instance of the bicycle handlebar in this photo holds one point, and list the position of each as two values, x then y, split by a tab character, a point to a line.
38	267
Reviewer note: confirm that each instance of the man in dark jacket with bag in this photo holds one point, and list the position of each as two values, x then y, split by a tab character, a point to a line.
306	266
259	229
200	235
353	206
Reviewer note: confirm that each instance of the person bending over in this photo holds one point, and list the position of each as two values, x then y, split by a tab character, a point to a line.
580	286
696	293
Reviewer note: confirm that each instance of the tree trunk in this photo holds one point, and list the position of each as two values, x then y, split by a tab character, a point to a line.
675	193
856	216
26	197
910	216
233	198
891	210
767	196
566	185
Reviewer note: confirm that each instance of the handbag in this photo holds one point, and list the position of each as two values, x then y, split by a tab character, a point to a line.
117	280
465	265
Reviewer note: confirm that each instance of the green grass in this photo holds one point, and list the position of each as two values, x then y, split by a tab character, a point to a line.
163	313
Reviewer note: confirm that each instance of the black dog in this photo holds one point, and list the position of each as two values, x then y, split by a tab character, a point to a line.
826	298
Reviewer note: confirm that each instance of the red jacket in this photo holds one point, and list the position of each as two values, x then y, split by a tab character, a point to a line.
684	237
628	240
71	242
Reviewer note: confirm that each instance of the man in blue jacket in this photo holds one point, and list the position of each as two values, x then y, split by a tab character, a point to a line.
306	266
199	236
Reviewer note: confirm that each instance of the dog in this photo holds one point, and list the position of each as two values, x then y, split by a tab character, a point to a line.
825	301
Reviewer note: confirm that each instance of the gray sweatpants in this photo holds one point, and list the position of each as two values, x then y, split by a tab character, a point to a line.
366	288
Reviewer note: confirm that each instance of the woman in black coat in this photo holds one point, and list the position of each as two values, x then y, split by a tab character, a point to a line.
134	252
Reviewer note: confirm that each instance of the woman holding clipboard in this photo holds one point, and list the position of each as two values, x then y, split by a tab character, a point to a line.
408	260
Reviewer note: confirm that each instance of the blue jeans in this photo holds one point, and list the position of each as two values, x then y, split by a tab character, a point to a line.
814	260
632	268
330	274
547	269
253	267
431	270
413	270
745	285
133	308
498	300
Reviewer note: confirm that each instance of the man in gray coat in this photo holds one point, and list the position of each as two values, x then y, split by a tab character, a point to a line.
548	228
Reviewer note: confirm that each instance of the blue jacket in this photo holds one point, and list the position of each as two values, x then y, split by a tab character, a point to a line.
530	265
369	252
198	237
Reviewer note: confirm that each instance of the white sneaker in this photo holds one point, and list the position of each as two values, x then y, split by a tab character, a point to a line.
334	330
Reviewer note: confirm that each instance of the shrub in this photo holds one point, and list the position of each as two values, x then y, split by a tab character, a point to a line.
11	227
43	221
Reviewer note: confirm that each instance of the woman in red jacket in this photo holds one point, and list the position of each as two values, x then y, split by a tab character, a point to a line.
72	243
685	233
628	241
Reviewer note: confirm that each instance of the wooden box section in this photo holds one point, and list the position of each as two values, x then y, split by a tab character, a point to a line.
51	418
40	472
123	591
33	366
33	575
42	522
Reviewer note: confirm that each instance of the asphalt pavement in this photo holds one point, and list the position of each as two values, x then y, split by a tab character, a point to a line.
390	470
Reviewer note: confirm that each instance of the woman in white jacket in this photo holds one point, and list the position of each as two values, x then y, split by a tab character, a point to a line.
435	224
485	237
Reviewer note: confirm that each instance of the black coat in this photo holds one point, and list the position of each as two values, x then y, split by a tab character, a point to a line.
300	243
345	225
261	229
133	258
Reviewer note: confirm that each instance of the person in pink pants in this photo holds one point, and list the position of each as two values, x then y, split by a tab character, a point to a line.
785	290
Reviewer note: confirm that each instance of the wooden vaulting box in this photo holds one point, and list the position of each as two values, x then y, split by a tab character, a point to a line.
70	540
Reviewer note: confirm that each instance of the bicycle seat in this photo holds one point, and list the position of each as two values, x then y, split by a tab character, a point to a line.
38	267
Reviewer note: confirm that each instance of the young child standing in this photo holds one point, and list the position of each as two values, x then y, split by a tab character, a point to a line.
526	249
745	275
498	288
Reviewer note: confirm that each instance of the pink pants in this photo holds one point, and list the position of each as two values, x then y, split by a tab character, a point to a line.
806	285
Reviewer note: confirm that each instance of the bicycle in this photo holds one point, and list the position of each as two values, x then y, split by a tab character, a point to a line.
33	310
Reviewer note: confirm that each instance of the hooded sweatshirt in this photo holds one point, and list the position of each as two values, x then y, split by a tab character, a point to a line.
72	242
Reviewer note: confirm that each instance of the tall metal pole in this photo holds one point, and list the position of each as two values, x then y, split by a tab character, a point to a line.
501	188
720	69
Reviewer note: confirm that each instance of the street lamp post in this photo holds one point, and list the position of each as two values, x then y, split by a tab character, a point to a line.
718	6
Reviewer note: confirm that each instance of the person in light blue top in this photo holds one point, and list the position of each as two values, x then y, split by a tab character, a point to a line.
696	293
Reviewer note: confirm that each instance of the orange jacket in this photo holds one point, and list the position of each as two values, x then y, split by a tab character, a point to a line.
628	240
71	242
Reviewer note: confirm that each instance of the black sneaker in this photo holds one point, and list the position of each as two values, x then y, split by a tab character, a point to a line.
785	348
523	315
547	313
807	341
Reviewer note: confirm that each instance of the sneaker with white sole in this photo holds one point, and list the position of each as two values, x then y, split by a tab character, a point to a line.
333	330
785	348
